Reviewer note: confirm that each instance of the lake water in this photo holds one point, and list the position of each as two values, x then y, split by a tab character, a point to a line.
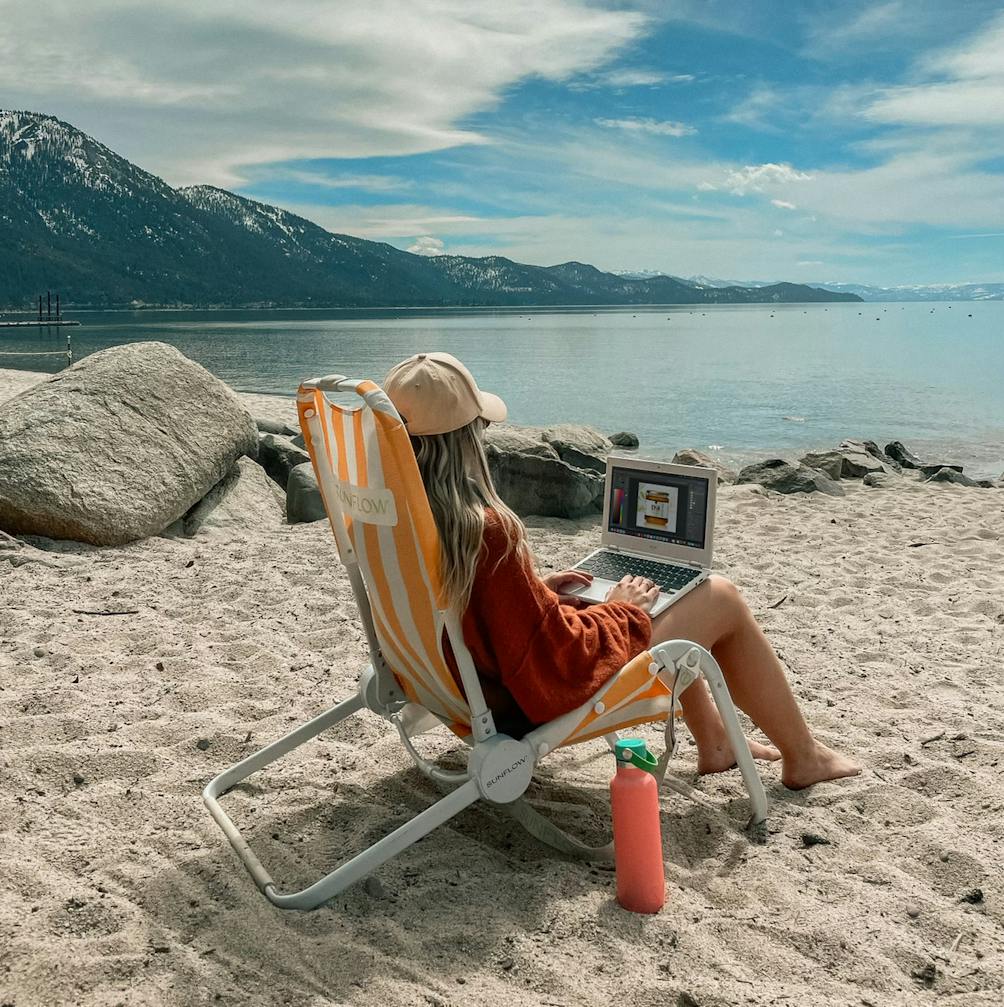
746	381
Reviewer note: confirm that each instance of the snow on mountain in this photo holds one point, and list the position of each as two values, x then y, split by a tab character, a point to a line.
60	152
77	217
924	292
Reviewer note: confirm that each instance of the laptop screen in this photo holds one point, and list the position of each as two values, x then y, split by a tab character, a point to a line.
658	506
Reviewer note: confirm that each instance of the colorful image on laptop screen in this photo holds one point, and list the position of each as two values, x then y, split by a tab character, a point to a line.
664	507
656	507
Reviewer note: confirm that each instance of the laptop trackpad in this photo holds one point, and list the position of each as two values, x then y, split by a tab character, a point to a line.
595	592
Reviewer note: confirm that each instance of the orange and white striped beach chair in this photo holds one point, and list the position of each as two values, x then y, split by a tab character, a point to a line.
388	542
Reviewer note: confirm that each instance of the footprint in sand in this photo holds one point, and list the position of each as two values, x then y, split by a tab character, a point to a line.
940	781
951	872
892	806
86	917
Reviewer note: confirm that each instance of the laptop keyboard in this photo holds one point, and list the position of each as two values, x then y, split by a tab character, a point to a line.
613	566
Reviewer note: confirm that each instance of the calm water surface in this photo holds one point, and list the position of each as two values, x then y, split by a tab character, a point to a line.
747	381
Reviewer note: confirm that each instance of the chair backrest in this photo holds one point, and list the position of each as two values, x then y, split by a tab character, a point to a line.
376	503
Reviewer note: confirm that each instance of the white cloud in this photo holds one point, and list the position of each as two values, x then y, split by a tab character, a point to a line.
427	245
810	262
783	204
631	78
756	108
969	93
245	82
940	189
320	180
643	125
759	177
411	221
626	77
873	23
707	187
981	56
958	103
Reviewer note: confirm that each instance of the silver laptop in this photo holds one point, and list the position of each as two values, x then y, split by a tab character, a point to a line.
658	520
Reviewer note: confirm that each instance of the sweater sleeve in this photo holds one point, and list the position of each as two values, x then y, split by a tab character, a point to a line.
553	656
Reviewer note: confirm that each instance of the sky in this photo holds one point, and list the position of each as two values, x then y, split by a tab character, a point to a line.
769	140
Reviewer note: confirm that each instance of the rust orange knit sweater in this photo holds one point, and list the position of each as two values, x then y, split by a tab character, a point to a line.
548	654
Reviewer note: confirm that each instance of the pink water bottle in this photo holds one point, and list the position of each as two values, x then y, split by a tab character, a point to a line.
634	798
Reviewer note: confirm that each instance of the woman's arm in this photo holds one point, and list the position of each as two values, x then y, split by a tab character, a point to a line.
552	656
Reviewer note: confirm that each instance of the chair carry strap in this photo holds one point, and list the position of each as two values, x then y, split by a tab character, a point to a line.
547	832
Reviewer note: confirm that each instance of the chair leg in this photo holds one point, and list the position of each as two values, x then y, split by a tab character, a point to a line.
678	656
740	746
352	870
379	853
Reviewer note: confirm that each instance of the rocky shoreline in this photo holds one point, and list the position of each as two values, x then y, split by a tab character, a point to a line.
138	440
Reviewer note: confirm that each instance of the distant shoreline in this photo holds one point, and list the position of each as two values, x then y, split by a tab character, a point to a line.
514	308
17	314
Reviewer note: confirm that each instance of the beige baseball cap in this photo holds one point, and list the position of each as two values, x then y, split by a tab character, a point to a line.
435	393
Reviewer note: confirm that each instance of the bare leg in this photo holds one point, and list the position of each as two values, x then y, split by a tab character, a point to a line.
716	616
714	750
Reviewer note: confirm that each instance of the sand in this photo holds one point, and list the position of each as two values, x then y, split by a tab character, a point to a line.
116	887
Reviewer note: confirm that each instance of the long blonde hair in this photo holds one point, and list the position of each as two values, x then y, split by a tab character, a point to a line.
454	469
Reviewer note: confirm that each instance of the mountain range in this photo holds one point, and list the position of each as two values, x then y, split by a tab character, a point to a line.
906	292
78	218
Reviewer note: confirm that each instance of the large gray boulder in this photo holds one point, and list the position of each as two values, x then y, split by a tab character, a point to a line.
552	472
118	446
783	477
549	487
691	456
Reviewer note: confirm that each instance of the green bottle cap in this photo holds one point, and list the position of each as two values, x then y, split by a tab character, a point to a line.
633	752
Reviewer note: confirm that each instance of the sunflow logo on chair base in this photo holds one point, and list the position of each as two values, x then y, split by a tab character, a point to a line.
363	503
503	768
505	772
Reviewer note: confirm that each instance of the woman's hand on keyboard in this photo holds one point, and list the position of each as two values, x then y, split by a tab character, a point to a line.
638	591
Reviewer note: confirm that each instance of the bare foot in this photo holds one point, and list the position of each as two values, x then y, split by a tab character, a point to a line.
823	764
719	758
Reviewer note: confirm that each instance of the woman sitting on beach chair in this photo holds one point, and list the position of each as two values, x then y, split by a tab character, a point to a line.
548	655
